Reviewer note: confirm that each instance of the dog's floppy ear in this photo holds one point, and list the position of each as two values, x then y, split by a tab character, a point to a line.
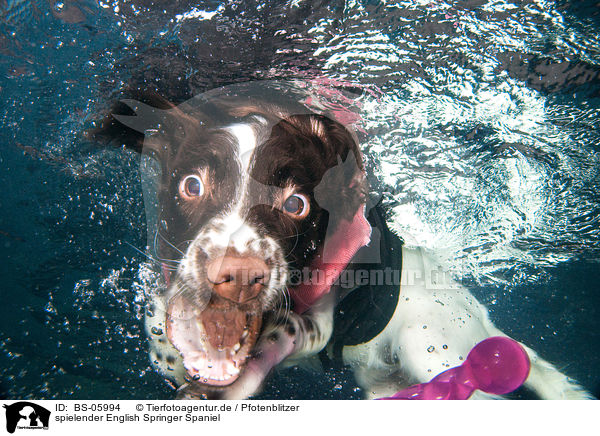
131	121
146	117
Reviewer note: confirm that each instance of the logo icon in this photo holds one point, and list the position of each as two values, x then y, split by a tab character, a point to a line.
26	415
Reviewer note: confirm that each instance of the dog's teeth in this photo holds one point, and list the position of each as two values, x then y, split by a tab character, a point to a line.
231	369
245	334
237	347
199	366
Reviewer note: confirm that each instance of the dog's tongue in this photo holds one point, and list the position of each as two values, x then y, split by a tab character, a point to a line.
339	249
223	329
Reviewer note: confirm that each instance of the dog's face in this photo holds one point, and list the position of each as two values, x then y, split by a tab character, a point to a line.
242	204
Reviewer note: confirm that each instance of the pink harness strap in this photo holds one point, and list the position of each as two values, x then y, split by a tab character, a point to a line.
339	249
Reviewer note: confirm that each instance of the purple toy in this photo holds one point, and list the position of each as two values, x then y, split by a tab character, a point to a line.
497	365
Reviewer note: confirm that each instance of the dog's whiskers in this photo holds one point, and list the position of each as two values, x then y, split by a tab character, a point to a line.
174	262
155	243
182	289
169	242
163	261
154	259
283	310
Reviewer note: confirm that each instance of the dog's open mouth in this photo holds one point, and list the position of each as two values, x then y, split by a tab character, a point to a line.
216	341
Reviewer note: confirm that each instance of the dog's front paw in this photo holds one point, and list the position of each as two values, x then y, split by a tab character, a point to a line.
276	344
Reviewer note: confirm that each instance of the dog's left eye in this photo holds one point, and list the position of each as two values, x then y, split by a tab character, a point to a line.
191	187
296	205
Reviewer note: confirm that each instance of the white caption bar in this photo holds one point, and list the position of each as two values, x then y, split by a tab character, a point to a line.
285	418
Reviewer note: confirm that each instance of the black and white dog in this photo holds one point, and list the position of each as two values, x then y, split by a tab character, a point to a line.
262	202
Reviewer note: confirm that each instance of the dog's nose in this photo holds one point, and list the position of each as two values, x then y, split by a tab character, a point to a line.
238	279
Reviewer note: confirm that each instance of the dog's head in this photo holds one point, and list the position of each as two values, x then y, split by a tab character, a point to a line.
250	192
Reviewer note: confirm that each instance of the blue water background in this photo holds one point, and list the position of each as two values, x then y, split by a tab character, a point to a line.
71	308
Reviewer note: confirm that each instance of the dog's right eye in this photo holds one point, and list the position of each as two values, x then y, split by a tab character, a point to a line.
297	206
191	187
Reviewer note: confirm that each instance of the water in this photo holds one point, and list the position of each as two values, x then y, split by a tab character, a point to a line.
479	121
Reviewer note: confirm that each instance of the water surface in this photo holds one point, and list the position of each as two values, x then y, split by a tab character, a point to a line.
479	126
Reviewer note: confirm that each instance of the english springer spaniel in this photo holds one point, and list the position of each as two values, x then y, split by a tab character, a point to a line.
269	253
